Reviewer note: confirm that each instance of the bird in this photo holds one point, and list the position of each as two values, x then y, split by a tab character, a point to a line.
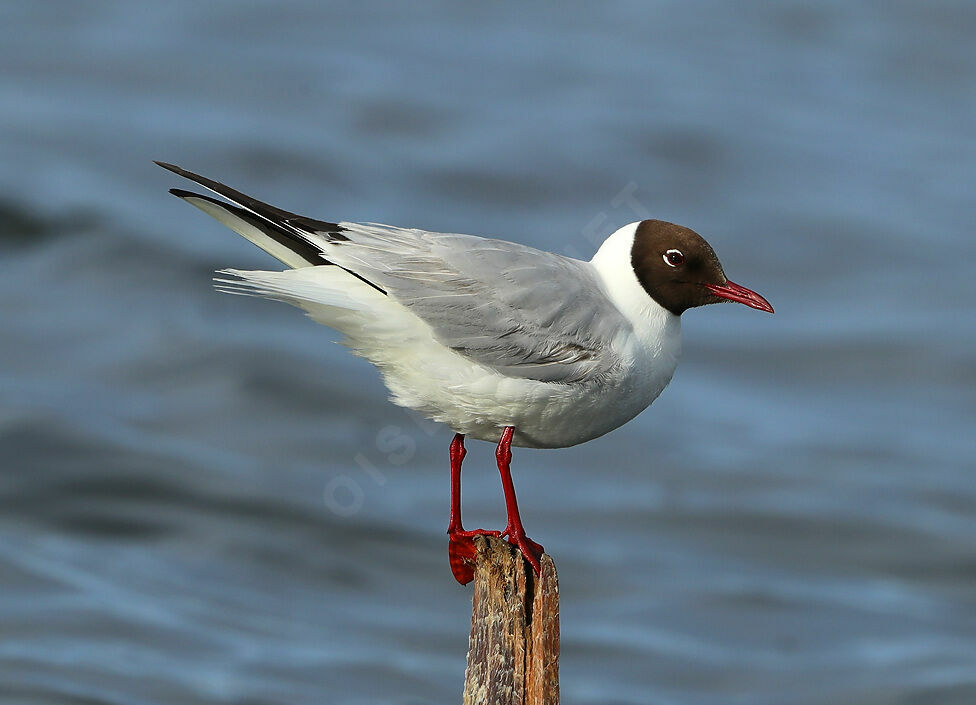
497	340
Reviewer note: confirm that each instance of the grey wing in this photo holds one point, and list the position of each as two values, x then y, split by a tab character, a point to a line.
515	309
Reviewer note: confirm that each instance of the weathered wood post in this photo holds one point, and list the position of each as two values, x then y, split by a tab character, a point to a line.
513	652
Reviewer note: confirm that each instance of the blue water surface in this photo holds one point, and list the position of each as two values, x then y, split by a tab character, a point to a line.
203	500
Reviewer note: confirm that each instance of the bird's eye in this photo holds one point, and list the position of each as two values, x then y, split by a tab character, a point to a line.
674	257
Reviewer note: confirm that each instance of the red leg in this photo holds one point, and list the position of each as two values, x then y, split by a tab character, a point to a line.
460	548
516	534
457	456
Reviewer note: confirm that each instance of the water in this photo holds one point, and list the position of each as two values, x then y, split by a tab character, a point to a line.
204	500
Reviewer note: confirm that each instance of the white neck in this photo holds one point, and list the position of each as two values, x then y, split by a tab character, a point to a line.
653	324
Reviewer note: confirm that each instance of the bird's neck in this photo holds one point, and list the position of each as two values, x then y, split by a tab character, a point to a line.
653	324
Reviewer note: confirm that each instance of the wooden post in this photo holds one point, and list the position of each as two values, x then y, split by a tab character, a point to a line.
513	652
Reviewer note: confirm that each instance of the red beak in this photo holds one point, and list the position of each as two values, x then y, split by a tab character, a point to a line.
739	294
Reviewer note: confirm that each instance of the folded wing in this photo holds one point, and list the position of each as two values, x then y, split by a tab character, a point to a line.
521	311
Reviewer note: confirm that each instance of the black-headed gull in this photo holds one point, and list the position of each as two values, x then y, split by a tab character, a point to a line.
500	341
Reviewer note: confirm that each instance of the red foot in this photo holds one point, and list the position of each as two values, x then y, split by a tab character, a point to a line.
470	534
460	553
529	548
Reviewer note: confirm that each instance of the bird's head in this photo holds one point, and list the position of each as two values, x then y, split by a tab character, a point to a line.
679	270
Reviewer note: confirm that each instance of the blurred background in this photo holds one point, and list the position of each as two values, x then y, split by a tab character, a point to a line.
204	500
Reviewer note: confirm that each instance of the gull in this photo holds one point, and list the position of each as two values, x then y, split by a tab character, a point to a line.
499	341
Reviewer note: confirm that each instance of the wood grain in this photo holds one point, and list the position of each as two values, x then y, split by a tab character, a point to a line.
513	651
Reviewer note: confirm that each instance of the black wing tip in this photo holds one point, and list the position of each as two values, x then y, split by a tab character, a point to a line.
270	222
166	165
180	171
184	194
264	210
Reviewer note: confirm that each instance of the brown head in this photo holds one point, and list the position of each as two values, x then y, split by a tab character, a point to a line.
679	270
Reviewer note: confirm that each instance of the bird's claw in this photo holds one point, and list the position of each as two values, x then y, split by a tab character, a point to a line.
531	550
